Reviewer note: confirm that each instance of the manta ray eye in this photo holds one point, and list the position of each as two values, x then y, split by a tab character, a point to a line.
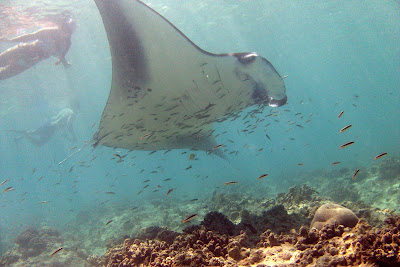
246	58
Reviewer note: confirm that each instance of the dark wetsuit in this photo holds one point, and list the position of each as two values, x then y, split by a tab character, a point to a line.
41	135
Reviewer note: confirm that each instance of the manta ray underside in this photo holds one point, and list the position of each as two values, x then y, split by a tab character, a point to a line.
166	92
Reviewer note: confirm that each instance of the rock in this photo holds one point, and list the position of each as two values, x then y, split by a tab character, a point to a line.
333	213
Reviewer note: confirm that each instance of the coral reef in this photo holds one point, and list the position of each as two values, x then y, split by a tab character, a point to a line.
200	248
218	222
296	195
331	245
333	213
34	248
30	243
389	169
344	192
158	233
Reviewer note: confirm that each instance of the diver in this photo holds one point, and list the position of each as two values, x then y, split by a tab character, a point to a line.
41	135
37	46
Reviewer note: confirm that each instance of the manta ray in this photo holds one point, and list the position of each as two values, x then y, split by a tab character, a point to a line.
166	92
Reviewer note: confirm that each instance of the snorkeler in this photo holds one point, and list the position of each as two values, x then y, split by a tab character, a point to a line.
41	135
37	46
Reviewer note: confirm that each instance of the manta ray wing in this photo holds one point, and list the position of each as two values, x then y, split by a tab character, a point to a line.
166	92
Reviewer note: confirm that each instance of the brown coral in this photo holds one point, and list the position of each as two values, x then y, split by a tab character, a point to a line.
332	245
333	213
200	248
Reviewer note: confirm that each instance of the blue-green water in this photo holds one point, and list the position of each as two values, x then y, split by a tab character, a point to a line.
338	55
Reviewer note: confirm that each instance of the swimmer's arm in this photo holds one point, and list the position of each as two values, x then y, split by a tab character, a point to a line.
38	35
62	59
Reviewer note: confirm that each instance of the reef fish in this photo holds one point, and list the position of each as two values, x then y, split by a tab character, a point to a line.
5	181
347	144
229	183
8	189
355	174
189	218
380	156
166	92
345	128
55	252
262	176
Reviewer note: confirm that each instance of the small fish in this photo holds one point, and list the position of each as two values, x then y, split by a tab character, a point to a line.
345	128
347	144
74	147
189	218
217	146
284	77
267	136
168	179
335	163
146	136
192	156
300	164
33	170
355	174
380	156
70	170
169	191
188	168
340	114
146	186
110	221
5	181
117	155
134	208
229	183
140	192
55	252
44	202
194	199
110	193
40	178
8	189
262	176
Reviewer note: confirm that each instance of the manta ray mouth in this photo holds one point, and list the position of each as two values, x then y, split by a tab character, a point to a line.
276	103
261	96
